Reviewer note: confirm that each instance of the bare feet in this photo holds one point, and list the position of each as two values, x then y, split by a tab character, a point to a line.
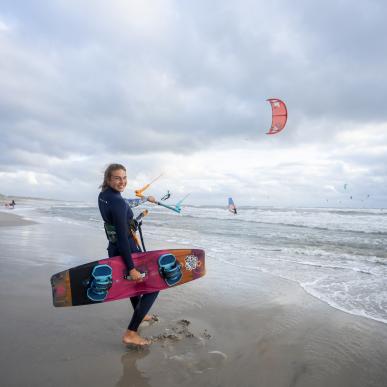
150	317
132	337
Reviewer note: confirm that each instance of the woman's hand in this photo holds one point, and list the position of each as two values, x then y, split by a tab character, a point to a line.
135	275
151	199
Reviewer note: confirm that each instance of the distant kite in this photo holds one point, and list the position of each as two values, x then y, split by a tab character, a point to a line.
279	115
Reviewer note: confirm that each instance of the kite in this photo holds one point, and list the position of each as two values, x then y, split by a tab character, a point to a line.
279	115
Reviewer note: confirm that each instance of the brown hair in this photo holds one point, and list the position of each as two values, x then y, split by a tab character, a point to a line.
108	174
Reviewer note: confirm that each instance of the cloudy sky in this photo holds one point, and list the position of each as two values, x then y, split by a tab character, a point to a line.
180	88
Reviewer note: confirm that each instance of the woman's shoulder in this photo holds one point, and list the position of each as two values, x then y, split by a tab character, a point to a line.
118	202
112	198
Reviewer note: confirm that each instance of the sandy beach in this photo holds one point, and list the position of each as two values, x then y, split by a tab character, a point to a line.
277	336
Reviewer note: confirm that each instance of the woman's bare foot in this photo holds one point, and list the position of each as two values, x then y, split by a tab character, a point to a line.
132	337
149	317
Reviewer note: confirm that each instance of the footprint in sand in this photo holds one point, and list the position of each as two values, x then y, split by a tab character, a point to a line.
180	331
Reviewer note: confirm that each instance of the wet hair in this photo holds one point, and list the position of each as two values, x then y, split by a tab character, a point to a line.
108	174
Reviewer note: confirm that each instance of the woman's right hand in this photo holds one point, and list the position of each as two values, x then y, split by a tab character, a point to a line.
151	199
135	275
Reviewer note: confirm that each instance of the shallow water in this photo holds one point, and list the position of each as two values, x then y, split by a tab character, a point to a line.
336	255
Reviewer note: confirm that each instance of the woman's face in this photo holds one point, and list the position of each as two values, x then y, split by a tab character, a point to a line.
118	180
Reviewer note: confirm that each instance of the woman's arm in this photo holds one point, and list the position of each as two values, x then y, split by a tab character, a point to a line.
119	218
136	202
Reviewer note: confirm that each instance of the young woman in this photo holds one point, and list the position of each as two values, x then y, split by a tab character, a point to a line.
117	214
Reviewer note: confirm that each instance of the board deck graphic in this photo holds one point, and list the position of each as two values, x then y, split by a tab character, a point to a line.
162	269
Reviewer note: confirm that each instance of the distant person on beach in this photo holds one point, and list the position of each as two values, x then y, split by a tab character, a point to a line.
116	212
10	204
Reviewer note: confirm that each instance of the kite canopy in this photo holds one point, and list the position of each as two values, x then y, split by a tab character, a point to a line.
279	115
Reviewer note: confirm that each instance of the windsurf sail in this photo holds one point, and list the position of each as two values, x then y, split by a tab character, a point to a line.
139	192
231	206
279	115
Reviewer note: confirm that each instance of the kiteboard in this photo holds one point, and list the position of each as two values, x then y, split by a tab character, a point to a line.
107	279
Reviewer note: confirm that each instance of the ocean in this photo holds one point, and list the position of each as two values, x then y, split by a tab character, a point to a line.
337	255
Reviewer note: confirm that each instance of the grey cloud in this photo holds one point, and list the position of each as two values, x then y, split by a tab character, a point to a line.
83	79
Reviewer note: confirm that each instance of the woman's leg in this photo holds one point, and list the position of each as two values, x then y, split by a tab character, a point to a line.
141	306
142	309
135	300
145	303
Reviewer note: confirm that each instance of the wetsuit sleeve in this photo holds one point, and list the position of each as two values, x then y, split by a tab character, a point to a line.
119	218
135	202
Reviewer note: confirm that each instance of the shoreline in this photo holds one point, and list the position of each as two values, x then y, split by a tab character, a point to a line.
11	220
8	219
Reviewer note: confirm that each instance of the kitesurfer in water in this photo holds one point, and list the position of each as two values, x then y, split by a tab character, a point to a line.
117	214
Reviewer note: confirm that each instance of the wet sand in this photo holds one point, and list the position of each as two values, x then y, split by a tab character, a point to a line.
274	335
8	219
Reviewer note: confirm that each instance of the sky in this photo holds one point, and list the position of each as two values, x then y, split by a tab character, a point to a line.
180	88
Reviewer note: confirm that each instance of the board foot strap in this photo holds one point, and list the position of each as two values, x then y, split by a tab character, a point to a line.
100	283
170	269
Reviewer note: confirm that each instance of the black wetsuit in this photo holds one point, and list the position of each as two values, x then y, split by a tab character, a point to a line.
116	212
